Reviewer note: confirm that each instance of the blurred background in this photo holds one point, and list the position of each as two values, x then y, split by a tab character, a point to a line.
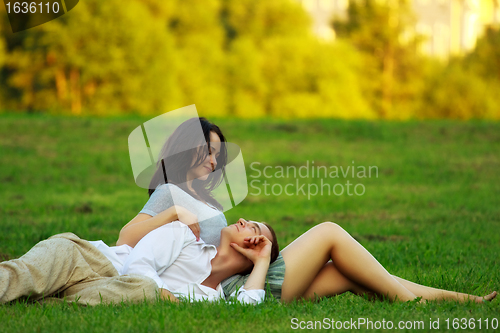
364	59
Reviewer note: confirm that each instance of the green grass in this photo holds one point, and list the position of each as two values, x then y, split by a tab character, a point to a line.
432	216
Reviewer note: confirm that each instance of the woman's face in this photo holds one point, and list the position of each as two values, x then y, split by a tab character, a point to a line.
208	165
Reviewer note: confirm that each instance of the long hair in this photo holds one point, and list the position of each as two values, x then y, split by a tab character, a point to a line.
175	160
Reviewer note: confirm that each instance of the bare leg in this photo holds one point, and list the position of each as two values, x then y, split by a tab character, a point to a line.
308	254
429	293
330	282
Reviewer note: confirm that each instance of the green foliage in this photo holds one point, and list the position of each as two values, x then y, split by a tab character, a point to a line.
460	93
400	83
247	88
312	79
485	59
251	26
85	62
200	71
384	32
276	68
466	87
246	58
3	56
261	19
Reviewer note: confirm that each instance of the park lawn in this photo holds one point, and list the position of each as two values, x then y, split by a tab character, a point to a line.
432	215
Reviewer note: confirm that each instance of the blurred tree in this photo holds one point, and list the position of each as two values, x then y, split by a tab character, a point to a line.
456	92
200	49
87	61
485	61
249	58
247	86
11	97
308	78
467	87
261	19
485	58
249	26
384	32
277	68
3	56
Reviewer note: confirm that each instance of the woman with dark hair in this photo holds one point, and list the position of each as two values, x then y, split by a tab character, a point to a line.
184	178
177	158
181	189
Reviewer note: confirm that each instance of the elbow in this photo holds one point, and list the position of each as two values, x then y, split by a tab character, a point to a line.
120	240
123	239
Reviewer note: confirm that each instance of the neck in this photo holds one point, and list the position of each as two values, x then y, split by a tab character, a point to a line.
189	184
224	265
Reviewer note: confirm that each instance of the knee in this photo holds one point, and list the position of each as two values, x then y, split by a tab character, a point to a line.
65	240
331	229
330	226
57	245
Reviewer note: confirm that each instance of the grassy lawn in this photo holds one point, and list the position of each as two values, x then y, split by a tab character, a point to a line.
432	215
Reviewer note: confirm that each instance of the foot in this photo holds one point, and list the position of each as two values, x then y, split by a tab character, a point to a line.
487	298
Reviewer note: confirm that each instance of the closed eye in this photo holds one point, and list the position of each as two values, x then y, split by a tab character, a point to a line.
257	229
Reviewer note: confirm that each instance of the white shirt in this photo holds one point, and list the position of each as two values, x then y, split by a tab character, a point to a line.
172	257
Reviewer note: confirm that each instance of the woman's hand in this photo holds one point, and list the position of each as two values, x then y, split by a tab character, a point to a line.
189	219
258	248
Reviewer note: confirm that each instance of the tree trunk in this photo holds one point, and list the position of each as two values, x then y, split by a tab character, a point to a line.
61	86
76	103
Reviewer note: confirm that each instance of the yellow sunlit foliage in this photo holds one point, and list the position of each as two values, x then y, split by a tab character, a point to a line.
244	58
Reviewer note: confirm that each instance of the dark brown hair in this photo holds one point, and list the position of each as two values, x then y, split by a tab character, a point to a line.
174	163
275	249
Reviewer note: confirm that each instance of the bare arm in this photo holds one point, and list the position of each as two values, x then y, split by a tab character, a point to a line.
259	252
143	224
257	279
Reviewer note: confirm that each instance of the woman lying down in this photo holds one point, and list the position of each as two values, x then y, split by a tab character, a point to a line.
169	261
